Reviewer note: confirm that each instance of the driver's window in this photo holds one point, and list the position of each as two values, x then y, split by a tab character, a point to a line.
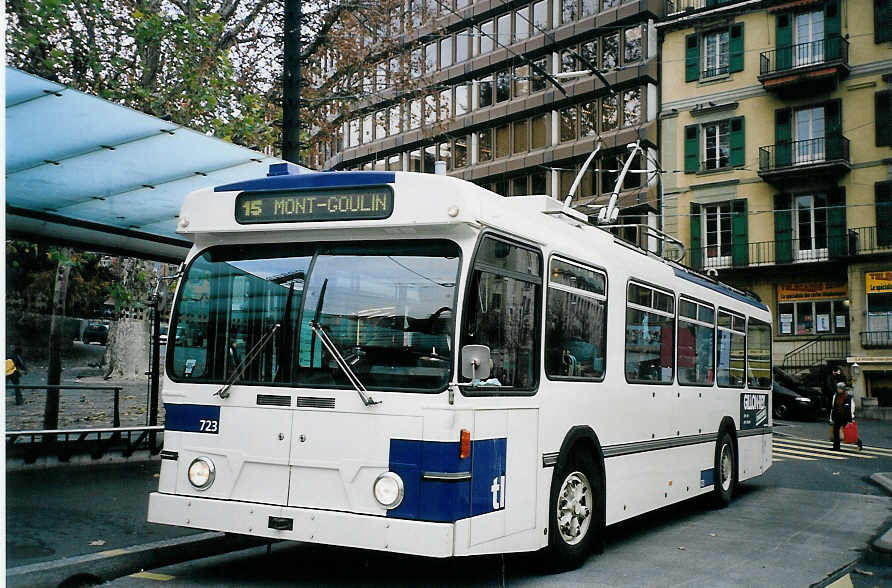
501	311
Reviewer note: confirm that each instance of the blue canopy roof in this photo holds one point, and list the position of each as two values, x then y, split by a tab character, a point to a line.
88	172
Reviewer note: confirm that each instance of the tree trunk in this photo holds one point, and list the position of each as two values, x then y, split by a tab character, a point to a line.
127	351
54	370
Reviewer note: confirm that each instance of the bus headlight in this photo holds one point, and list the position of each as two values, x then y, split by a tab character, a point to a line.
201	472
388	489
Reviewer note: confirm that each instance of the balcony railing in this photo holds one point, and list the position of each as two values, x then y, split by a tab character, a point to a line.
876	339
817	351
802	156
674	7
859	241
815	53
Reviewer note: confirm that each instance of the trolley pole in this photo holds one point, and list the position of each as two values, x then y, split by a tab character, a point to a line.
291	82
156	367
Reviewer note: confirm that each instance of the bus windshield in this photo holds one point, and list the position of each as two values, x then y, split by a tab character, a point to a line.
388	307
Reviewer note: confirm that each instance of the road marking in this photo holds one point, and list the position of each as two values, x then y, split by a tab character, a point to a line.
113	552
806	446
787	455
152	576
809	453
882	451
843	582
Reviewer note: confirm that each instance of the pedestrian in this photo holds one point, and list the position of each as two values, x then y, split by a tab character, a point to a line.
15	367
842	413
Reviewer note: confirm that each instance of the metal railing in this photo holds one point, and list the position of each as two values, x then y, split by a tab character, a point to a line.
817	351
803	153
64	444
784	59
876	339
858	241
673	7
116	410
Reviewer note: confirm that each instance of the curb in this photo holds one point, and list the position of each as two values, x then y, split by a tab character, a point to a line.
115	563
881	547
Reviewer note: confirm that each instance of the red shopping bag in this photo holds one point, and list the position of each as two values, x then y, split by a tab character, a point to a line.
850	432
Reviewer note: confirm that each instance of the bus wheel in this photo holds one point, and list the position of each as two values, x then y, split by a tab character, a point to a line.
725	471
574	519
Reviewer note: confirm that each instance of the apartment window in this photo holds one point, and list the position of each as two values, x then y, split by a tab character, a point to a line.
565	181
608	4
650	346
380	165
610	166
588	119
446	52
633	178
589	7
354	132
430	57
568	61
568	124
367	129
416	63
462	99
522	24
381	77
539	83
503	29
540	17
394	120
540	131
519	186
520	136
810	226
632	107
395	163
380	124
415	161
716	145
430	156
589	51
610	51
415	114
462	45
462	4
460	151
730	350
445	150
501	187
521	80
717	234
503	86
430	109
632	51
484	92
503	144
608	113
487	36
715	54
568	10
484	145
446	105
539	183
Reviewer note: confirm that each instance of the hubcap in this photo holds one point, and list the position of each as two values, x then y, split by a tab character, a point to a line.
727	466
574	508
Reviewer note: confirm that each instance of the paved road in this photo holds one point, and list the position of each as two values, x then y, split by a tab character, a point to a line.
811	515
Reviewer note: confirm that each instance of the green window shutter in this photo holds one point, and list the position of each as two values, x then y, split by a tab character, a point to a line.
783	228
735	48
691	149
833	129
783	152
882	21
737	142
832	23
739	236
692	58
883	103
883	195
783	41
836	225
696	240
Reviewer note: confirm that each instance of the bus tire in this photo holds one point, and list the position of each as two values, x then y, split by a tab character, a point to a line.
725	471
574	520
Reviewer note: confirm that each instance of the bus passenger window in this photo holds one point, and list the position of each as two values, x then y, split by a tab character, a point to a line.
730	350
696	341
650	345
575	322
758	354
501	310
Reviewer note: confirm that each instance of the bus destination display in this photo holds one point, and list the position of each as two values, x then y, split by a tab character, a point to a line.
314	205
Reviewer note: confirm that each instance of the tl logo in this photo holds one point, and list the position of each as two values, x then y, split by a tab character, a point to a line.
498	492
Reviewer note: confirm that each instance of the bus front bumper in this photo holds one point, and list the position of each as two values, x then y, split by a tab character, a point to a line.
310	525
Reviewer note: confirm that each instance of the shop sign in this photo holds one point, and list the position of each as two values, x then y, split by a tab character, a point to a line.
878	282
814	290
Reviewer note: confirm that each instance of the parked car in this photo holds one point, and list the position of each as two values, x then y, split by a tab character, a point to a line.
789	403
95	331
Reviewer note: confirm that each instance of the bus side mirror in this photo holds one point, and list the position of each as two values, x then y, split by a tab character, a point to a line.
475	362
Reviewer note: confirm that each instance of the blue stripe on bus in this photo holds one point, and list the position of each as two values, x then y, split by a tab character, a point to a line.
192	418
707	477
448	501
311	180
719	288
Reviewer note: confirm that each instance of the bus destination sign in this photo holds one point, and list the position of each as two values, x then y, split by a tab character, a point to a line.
314	205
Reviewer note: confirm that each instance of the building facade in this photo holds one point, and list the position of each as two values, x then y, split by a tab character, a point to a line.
487	100
777	158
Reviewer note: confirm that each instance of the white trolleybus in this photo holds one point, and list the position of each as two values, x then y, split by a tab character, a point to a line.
411	363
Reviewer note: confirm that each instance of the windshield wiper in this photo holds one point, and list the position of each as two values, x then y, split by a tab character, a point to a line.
342	363
249	357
